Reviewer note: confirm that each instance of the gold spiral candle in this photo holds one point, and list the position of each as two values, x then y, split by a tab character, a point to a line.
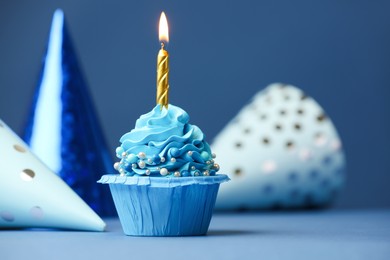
162	77
163	65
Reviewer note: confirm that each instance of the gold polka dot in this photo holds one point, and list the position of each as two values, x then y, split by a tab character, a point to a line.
238	145
297	126
282	112
321	117
300	111
27	175
237	172
19	148
303	97
247	130
266	140
278	127
263	116
289	144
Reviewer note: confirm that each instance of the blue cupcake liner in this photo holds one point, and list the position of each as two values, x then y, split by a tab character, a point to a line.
157	206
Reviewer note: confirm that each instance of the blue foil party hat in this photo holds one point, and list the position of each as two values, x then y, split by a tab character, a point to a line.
63	129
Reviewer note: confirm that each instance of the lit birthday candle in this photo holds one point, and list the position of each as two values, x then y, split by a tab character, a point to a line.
163	64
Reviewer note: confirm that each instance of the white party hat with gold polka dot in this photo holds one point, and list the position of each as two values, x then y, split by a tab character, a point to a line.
281	151
31	195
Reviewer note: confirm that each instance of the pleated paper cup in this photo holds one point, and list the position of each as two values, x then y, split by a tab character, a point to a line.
155	206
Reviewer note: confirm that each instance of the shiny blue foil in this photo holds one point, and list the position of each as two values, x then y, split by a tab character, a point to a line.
63	129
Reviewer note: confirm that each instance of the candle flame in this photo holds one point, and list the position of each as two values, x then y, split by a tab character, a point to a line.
163	31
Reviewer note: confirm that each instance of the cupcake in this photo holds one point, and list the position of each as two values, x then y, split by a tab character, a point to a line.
167	180
167	183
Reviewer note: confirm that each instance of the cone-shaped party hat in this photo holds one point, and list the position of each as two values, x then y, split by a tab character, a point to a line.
281	151
62	128
31	195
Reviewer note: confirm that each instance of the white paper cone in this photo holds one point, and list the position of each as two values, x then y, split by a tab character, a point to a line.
280	151
33	196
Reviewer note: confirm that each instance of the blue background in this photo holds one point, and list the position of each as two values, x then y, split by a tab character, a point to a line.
222	53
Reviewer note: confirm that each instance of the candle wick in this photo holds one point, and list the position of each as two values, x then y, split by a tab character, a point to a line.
162	45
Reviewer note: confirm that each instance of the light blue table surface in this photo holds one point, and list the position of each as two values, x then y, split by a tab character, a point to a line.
329	234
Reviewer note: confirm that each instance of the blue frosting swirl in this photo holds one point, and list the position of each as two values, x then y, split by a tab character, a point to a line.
163	143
